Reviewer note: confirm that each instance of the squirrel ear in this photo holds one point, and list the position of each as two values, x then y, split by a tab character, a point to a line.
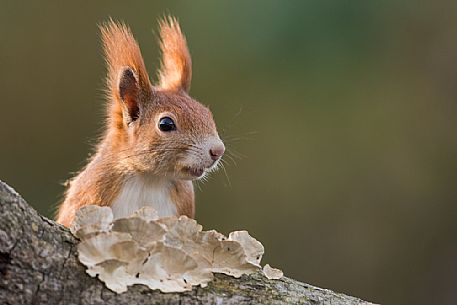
129	93
127	80
176	70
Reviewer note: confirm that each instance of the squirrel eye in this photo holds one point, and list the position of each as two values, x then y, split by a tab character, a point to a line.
167	124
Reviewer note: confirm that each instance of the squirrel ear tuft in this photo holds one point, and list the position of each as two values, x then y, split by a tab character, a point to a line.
121	51
176	70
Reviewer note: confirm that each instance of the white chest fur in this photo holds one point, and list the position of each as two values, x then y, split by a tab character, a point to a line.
138	192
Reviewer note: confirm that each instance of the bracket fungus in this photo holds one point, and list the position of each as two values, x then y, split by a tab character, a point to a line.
171	254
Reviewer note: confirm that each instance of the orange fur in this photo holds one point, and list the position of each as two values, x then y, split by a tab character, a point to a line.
133	144
183	194
121	50
176	70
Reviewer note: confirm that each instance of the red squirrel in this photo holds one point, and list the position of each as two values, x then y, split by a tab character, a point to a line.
157	138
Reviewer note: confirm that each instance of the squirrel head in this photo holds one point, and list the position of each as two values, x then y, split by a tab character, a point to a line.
156	129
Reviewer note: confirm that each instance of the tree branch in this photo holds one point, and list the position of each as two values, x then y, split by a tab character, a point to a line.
39	265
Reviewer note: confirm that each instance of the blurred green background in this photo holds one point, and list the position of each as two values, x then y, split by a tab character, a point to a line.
339	117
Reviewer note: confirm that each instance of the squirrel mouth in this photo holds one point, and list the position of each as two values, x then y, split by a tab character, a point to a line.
195	172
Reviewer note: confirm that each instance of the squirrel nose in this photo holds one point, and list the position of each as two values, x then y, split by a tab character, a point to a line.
217	151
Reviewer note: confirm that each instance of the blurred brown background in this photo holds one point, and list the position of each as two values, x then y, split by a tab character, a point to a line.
340	119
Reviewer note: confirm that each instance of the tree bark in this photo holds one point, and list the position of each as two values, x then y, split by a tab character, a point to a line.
39	265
